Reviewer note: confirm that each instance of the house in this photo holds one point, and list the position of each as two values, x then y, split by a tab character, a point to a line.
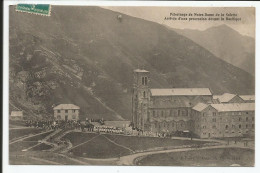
16	115
66	112
223	120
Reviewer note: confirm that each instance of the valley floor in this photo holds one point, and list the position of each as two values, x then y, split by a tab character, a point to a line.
30	146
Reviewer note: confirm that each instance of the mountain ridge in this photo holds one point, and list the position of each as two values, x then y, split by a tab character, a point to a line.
225	43
88	59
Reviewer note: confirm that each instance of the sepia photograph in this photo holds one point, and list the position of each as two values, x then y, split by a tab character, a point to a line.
131	85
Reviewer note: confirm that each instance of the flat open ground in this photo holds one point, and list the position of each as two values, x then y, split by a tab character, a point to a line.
17	132
204	157
110	149
30	141
92	145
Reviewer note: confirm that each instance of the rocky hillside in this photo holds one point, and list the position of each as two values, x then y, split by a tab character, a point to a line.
86	55
227	44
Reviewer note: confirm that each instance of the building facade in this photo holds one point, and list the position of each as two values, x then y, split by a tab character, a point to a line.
66	112
223	120
163	110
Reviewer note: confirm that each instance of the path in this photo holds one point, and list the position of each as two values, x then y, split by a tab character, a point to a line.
21	139
83	143
119	144
46	161
75	160
19	127
130	159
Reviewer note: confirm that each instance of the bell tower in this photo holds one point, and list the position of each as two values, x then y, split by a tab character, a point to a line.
140	98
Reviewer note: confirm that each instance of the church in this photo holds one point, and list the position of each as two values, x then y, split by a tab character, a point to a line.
176	109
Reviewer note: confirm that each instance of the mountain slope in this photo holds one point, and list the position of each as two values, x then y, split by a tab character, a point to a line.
227	44
87	57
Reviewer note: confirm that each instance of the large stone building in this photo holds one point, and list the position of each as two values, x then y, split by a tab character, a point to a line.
170	110
160	110
66	112
223	120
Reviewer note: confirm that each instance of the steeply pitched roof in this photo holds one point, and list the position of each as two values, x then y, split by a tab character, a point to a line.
226	97
226	107
66	107
200	106
233	107
181	92
16	113
248	97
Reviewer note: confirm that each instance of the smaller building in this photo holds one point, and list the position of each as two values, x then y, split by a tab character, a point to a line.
66	112
16	115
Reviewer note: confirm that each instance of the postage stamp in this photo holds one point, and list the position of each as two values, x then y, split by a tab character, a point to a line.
40	9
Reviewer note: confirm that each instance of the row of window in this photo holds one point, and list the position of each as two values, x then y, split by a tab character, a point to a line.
204	133
59	117
224	113
182	124
239	119
163	113
233	126
240	126
66	111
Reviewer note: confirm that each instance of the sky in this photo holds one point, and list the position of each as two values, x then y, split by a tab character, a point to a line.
246	26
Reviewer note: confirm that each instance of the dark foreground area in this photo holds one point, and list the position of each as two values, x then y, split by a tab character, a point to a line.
204	157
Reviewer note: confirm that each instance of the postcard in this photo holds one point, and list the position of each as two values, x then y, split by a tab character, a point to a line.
131	85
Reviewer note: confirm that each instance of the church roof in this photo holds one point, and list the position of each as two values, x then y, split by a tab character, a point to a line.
226	97
200	106
233	107
181	92
226	107
65	107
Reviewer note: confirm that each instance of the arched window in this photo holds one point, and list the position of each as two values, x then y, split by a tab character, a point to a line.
144	80
144	94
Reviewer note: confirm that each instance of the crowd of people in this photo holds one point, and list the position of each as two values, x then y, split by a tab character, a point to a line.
88	126
54	124
108	129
